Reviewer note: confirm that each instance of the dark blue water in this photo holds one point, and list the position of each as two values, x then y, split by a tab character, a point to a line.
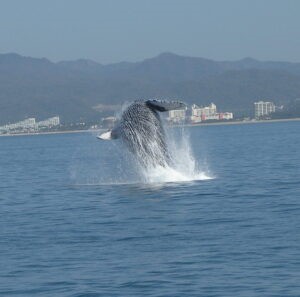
65	232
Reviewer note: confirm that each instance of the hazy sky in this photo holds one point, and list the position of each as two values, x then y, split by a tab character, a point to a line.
131	30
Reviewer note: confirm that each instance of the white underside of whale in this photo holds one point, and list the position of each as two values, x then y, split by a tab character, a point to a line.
105	136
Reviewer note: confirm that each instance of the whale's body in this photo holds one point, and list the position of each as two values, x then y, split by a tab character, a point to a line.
141	130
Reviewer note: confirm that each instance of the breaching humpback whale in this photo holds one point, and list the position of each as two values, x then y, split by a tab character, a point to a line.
141	130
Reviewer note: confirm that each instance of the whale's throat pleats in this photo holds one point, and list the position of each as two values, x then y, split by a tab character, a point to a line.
142	132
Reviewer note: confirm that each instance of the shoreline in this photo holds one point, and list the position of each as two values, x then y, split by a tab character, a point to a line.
241	122
171	126
48	133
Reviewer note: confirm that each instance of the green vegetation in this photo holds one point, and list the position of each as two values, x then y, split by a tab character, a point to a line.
85	91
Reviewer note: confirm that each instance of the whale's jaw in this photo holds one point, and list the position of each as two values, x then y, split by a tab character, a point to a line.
105	136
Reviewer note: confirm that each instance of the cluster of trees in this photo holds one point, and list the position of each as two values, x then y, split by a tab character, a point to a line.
291	110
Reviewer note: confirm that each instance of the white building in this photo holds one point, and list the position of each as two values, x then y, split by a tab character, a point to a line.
226	116
48	123
177	116
196	113
26	124
200	114
30	125
209	111
263	108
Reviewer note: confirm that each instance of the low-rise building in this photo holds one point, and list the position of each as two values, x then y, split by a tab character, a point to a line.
200	114
226	116
49	123
22	125
196	113
30	125
177	116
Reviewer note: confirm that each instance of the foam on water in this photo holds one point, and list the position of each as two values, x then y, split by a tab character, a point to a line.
184	166
169	174
110	162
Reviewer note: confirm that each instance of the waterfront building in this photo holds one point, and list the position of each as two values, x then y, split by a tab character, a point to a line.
26	124
263	108
209	111
226	116
30	125
48	123
200	114
206	113
196	113
177	116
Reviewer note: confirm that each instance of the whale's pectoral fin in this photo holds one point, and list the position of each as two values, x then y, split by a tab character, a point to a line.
108	135
165	105
105	135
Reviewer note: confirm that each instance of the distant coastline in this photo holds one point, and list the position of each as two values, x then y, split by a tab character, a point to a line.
184	125
48	133
199	80
243	122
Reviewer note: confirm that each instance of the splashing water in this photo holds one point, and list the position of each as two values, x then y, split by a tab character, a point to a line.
167	158
183	167
161	156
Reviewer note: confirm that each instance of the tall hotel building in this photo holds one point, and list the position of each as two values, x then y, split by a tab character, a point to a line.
263	108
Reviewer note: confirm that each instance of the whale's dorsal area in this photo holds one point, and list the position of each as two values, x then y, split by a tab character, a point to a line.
151	104
164	105
141	130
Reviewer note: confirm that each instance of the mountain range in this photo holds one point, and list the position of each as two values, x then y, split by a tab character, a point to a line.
84	90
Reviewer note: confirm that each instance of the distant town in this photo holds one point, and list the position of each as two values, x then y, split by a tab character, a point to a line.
30	126
233	86
198	114
192	115
195	114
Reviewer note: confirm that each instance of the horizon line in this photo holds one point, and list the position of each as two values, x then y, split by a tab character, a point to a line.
165	53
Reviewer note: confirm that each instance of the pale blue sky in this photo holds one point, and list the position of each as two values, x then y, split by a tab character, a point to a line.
131	30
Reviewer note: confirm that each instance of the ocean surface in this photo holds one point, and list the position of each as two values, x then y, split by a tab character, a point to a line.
78	217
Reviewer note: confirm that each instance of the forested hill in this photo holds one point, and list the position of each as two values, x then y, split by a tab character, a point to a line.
83	89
